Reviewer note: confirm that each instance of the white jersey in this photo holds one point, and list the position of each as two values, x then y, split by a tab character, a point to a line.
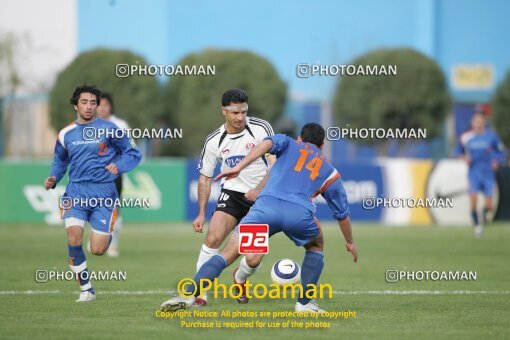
230	149
121	123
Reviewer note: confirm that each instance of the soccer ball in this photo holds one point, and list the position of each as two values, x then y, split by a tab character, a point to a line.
285	272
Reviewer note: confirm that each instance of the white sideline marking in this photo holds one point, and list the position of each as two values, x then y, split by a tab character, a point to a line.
423	292
361	292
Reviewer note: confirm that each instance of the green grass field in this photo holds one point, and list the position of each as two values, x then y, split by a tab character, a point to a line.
155	257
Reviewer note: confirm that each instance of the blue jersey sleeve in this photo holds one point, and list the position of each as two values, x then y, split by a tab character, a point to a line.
280	143
336	197
130	155
498	149
459	150
60	162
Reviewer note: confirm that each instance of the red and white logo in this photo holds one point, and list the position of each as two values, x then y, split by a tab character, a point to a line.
250	146
253	239
225	151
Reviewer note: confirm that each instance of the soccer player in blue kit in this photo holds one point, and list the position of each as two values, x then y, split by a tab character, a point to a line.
96	156
483	151
300	173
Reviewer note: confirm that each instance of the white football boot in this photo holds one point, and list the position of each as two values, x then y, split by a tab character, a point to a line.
478	231
176	303
311	306
86	296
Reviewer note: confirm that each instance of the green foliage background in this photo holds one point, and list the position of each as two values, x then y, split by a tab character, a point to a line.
417	97
136	98
194	103
501	110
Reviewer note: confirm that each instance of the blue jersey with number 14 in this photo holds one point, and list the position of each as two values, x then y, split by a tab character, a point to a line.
302	172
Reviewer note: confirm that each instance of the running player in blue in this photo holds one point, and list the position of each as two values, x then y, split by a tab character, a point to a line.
96	156
483	151
300	173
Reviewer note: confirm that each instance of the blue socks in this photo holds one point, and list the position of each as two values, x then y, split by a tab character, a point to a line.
311	270
474	216
78	265
209	270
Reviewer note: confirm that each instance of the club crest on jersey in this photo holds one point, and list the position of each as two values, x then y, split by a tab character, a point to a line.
233	161
250	146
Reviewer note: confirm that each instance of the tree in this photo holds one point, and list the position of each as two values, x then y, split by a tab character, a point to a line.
136	97
9	75
193	103
501	110
10	78
417	97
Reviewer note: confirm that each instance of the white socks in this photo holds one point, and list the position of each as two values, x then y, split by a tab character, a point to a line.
205	254
244	271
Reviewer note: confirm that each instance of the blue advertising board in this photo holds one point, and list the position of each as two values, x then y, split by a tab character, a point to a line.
360	180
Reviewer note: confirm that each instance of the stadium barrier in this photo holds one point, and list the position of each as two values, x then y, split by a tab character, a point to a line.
161	183
170	185
405	179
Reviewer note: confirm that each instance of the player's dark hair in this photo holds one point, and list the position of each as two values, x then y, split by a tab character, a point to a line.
85	89
234	96
108	97
313	133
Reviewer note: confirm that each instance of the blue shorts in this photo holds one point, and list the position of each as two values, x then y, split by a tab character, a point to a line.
481	182
296	221
100	216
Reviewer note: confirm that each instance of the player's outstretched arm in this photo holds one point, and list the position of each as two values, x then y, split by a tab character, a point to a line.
59	166
50	182
334	193
498	154
257	152
460	153
345	226
253	193
204	191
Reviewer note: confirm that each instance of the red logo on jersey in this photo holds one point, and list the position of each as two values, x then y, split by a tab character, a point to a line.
103	149
250	146
253	239
226	151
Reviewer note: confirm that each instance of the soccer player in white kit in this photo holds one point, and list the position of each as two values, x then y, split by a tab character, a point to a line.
229	144
106	111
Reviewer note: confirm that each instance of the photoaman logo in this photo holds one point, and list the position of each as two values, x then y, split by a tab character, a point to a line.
187	287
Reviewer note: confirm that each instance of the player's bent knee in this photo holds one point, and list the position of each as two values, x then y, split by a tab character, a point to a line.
74	236
99	243
317	244
213	241
213	244
316	249
253	261
98	251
